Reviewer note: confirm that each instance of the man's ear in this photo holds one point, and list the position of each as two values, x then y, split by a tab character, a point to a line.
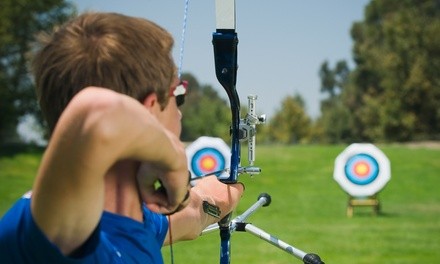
150	102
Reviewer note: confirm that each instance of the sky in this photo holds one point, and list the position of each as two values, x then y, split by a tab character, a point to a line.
282	43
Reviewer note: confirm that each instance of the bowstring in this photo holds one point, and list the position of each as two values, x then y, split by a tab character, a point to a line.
171	240
182	40
179	74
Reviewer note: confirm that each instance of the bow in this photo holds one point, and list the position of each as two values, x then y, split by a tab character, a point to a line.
225	43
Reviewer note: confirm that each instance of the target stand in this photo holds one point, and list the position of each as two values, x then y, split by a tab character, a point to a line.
362	170
372	201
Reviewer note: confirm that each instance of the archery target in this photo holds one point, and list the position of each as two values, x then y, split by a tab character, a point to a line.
207	160
362	170
208	155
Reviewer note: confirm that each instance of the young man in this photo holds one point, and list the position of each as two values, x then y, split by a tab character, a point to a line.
107	88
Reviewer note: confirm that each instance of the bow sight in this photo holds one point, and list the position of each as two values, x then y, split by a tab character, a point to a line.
247	128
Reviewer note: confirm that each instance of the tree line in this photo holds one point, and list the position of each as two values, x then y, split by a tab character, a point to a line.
391	94
20	21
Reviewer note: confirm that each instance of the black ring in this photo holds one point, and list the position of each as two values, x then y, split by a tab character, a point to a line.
186	197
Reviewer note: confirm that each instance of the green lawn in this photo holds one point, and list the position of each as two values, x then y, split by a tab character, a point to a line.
308	208
18	165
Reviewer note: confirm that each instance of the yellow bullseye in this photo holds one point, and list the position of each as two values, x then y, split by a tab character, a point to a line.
208	163
361	169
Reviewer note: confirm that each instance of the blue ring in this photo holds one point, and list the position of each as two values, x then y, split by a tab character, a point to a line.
367	179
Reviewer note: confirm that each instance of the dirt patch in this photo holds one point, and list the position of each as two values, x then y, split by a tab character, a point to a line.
423	144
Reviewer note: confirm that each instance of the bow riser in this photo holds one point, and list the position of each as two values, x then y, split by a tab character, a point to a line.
225	44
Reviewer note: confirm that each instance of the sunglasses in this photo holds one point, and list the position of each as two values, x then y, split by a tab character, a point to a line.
179	92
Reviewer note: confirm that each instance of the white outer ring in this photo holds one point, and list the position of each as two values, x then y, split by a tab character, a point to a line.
357	190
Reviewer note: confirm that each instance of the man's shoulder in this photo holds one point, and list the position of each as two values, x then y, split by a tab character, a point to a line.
17	209
21	241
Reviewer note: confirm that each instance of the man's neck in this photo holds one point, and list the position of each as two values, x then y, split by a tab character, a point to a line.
121	190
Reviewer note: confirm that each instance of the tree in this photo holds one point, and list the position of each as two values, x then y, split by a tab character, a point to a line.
20	21
395	93
205	113
335	118
290	123
335	122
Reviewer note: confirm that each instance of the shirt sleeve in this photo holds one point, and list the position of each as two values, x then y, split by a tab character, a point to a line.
158	221
24	242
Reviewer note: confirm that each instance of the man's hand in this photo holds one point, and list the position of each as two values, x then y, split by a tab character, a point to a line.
225	196
189	223
164	188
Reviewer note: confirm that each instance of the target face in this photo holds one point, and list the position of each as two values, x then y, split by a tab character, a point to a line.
208	155
207	160
362	170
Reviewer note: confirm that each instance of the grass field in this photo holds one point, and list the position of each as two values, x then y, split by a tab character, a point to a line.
308	208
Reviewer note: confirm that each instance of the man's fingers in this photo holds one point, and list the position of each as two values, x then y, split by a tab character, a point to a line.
239	186
159	202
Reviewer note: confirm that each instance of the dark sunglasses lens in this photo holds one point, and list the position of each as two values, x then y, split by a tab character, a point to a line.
180	99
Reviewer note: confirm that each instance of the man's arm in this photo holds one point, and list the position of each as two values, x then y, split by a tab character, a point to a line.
98	128
189	223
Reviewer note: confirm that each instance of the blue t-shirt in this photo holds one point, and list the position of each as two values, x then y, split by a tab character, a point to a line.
117	239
